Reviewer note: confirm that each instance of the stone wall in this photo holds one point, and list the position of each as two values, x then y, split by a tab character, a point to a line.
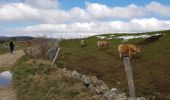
99	87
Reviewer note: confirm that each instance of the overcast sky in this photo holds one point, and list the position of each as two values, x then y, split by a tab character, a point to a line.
69	18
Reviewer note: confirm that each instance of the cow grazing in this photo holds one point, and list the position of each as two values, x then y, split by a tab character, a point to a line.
82	43
103	44
130	49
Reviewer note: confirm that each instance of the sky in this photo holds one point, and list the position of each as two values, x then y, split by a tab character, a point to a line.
78	18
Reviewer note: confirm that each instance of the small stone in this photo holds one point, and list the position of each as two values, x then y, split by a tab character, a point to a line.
109	94
122	95
100	89
64	70
76	75
95	81
113	89
86	79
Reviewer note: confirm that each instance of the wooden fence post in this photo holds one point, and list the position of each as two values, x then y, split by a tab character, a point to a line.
129	75
55	56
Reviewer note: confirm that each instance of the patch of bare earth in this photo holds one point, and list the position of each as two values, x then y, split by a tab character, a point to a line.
7	93
7	60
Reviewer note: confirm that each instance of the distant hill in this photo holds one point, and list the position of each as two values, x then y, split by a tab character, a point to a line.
17	38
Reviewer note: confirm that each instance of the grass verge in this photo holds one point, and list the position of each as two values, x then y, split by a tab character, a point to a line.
35	79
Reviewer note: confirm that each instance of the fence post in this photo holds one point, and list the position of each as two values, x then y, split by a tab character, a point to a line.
129	75
55	56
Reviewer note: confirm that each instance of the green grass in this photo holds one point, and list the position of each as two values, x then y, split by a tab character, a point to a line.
3	49
39	81
150	67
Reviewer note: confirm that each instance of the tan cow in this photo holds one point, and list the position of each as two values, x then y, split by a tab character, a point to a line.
82	43
130	49
103	44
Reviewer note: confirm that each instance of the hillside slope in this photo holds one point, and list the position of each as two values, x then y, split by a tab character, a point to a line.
150	68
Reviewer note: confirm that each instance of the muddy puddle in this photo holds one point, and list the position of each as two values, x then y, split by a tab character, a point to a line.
5	78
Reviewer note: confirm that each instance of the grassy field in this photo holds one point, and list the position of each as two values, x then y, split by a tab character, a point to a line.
150	68
35	79
3	48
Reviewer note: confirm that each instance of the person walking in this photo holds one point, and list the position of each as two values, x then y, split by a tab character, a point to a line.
11	46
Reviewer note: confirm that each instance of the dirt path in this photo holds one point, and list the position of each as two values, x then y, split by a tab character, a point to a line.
7	60
7	93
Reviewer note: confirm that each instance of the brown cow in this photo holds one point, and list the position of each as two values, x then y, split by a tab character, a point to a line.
103	44
130	49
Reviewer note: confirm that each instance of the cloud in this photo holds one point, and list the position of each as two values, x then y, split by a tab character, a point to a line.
79	14
93	19
43	4
24	12
17	11
47	11
158	8
102	11
134	25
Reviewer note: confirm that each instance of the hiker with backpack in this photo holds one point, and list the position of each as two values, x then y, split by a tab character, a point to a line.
11	46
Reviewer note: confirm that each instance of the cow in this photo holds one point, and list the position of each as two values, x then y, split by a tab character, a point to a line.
82	43
130	49
104	44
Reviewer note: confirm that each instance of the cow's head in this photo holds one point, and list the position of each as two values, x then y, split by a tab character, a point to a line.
136	50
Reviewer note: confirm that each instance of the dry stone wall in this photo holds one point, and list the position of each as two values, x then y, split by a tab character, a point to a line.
99	87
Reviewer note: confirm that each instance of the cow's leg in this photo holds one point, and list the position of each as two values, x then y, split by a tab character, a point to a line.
120	54
129	54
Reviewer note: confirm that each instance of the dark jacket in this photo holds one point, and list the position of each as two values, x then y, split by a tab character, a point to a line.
11	45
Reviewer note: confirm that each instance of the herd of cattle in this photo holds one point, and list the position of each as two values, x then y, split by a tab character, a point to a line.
123	49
